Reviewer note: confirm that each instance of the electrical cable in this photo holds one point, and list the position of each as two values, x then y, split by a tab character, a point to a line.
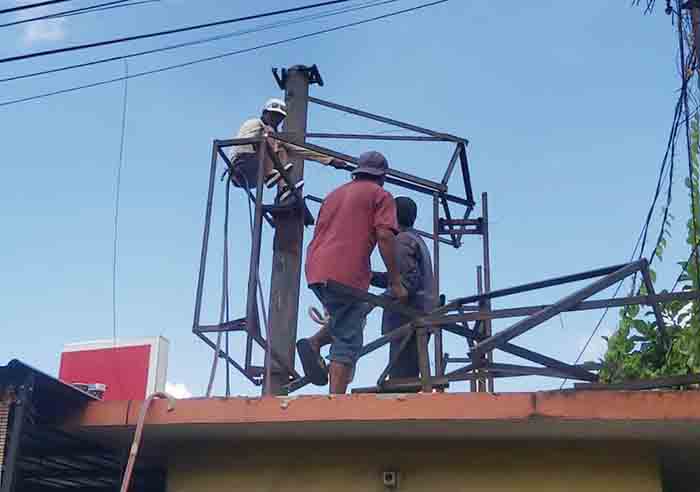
265	27
223	55
83	10
258	282
684	93
179	30
224	289
117	194
31	6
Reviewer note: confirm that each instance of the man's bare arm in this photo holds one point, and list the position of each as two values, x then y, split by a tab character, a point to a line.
387	248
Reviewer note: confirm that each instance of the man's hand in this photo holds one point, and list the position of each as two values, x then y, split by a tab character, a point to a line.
338	164
398	291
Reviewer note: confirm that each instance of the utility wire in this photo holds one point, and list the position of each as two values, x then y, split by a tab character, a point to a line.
117	193
31	6
265	27
167	32
223	55
684	94
115	4
117	187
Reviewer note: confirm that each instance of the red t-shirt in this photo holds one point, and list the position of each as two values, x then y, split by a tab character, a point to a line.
346	233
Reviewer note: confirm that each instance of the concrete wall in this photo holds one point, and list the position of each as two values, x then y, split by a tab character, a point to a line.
423	466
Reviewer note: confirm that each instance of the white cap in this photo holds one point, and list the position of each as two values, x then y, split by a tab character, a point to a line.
276	105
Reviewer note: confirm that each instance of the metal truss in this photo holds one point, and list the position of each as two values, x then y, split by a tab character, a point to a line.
455	317
446	229
467	317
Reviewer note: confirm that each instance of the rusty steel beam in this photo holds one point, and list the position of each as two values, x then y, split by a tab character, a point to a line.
361	136
642	384
436	278
352	162
205	240
451	166
237	141
562	305
519	289
388	121
582	306
646	277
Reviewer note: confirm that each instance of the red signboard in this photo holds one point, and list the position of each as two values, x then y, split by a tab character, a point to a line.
128	370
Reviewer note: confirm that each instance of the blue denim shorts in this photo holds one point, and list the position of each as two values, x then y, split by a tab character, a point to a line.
347	320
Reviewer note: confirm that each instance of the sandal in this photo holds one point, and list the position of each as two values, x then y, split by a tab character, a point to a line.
314	366
287	190
272	178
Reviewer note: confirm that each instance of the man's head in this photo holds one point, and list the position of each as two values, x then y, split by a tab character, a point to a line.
274	112
406	211
372	166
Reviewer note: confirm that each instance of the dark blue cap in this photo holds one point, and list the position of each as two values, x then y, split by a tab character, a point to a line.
372	163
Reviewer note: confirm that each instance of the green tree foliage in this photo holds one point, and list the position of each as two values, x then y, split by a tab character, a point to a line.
637	350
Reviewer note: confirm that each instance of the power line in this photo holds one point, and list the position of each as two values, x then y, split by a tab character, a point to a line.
117	192
31	6
684	95
224	55
83	10
266	27
167	32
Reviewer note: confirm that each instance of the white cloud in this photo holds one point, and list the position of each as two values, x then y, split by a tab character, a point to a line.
178	390
47	30
44	30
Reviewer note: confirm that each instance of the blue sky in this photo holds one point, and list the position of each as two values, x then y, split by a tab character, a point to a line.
567	109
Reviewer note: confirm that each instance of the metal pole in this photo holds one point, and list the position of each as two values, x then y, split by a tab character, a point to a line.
439	366
479	290
252	315
487	273
205	239
288	243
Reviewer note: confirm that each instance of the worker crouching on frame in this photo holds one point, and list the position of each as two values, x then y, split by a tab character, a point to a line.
415	265
244	158
353	219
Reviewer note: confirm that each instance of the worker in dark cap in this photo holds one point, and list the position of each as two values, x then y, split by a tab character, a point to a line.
353	219
416	268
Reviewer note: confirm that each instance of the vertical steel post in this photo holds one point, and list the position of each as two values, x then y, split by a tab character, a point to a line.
439	364
252	314
487	272
205	238
288	242
473	386
10	477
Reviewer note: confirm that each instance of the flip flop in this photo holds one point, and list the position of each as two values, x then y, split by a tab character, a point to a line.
312	362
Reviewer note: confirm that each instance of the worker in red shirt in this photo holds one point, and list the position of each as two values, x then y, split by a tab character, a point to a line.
353	219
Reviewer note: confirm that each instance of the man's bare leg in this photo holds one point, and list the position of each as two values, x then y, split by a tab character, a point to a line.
339	378
320	339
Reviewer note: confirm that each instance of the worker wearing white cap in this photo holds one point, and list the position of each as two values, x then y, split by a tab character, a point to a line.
244	157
